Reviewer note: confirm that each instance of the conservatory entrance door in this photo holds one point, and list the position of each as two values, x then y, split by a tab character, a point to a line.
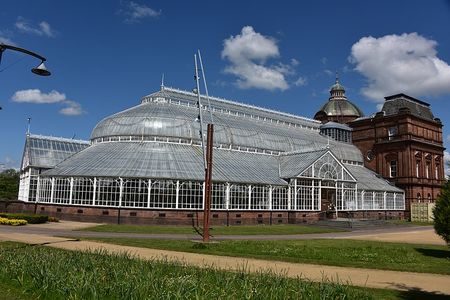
328	201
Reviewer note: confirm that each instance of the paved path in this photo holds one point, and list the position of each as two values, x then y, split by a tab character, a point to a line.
401	234
355	276
425	235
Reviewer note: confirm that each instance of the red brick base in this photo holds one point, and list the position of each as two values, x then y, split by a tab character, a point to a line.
186	217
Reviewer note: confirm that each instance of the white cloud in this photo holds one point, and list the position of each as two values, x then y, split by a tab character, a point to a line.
324	60
447	163
400	63
37	97
46	29
346	69
328	72
135	12
248	53
301	81
42	29
4	38
8	163
294	62
73	108
284	69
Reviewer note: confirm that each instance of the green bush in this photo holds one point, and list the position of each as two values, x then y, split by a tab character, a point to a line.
441	214
31	219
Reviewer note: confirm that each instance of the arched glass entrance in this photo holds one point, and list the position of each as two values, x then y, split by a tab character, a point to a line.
336	187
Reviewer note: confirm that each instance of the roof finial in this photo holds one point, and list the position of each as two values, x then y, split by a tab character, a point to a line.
162	82
28	126
337	77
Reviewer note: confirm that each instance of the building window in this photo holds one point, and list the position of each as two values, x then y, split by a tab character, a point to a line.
427	170
392	132
393	169
436	172
417	168
419	197
429	197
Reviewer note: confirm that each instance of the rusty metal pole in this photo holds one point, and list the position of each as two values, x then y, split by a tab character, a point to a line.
208	182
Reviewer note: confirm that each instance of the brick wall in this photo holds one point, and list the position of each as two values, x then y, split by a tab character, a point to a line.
185	217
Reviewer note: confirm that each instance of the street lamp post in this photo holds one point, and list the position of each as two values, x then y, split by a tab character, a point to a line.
40	69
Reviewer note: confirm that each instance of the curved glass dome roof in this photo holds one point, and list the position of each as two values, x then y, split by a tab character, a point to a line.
172	115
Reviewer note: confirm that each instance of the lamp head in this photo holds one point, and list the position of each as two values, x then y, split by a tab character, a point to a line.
41	70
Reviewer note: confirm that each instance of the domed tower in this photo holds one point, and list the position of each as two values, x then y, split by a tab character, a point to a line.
338	108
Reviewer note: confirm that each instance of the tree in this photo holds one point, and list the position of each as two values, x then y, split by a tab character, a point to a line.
9	185
441	213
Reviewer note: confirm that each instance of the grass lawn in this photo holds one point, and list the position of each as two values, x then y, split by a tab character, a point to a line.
215	230
351	253
9	290
36	272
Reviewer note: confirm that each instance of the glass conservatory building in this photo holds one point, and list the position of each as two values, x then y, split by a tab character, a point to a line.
148	161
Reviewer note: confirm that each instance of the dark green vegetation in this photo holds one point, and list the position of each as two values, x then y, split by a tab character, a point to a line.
31	219
46	273
441	213
350	253
10	291
215	230
9	185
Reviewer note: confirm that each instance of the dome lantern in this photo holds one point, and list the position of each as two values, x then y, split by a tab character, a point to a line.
337	90
338	108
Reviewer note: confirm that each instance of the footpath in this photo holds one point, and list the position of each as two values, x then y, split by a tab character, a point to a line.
433	283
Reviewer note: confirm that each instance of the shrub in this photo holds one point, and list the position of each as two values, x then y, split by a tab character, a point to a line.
441	214
31	219
53	219
12	222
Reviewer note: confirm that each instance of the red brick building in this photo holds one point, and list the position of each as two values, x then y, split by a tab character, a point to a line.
403	143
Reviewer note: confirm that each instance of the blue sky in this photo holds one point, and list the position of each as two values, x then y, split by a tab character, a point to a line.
105	55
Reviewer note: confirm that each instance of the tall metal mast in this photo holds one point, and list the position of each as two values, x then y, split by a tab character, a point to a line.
206	86
207	150
200	111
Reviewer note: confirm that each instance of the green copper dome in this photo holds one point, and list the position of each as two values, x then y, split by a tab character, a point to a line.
338	105
337	87
341	108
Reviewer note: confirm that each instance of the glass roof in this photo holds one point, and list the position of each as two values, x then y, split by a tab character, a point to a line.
185	162
171	114
47	152
163	114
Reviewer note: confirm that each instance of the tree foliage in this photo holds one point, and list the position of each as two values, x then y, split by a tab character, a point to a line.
9	185
441	213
